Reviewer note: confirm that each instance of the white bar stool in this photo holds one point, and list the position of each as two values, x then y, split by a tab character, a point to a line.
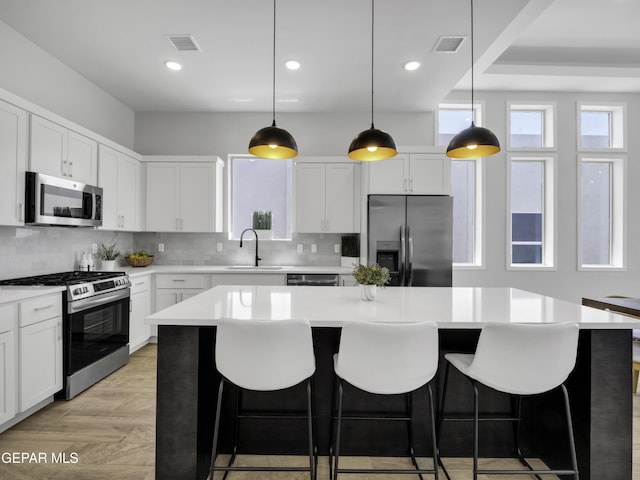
385	359
265	356
520	360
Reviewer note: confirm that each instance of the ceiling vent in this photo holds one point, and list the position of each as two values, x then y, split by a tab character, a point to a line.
448	44
184	43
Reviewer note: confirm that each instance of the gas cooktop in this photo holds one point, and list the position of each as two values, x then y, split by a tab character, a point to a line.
64	278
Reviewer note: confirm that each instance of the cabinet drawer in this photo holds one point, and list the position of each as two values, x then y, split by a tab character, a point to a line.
7	316
140	284
40	308
181	281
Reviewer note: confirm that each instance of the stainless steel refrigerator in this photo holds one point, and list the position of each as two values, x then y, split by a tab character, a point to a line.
411	235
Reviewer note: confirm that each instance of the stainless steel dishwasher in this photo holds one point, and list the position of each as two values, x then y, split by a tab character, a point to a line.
313	279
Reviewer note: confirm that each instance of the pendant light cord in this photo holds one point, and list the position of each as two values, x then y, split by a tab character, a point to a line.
273	95
372	27
472	86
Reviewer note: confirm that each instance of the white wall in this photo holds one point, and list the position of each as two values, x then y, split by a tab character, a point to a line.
34	75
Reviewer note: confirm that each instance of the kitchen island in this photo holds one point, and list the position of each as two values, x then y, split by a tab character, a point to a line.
600	386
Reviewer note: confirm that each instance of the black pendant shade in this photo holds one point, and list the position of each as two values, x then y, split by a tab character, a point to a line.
371	145
473	142
273	142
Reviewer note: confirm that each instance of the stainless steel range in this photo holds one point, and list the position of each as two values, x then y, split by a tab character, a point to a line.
95	324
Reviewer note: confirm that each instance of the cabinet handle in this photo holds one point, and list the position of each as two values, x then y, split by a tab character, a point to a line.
138	284
130	306
411	185
70	169
20	212
405	185
179	280
64	169
59	330
35	309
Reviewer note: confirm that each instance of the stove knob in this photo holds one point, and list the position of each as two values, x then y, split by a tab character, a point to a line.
77	291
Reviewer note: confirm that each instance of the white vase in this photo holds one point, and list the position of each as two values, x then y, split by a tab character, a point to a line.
368	292
264	234
107	265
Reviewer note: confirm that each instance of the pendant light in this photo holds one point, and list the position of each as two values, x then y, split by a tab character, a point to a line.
473	142
273	142
372	144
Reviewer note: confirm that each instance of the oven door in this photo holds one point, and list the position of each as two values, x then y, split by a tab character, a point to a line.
95	327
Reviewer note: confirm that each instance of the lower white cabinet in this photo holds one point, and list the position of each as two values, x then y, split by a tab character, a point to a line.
40	347
174	288
7	363
140	308
248	279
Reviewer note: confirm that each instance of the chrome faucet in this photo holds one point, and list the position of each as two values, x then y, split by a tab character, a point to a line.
256	234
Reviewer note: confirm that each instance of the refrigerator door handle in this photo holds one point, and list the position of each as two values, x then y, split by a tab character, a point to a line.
410	260
402	256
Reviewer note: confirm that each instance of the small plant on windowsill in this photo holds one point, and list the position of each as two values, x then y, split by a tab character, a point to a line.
261	223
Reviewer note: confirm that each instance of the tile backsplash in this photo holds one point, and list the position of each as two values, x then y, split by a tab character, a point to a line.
26	251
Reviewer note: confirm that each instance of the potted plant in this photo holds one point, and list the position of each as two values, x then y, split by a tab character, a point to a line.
108	254
369	277
261	223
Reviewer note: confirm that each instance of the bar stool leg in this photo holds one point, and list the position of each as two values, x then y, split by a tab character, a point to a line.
433	432
338	425
572	442
334	406
476	423
214	451
442	400
312	465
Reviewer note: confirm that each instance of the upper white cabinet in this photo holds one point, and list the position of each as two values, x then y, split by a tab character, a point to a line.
13	163
184	196
327	198
411	173
60	152
121	181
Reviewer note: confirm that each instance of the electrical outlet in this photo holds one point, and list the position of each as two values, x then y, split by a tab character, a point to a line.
161	247
219	247
300	248
336	248
314	248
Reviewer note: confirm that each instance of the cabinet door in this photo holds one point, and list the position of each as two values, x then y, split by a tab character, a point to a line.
13	163
310	197
196	198
430	174
40	361
48	147
162	203
82	158
340	211
165	297
8	391
389	176
140	309
127	192
108	180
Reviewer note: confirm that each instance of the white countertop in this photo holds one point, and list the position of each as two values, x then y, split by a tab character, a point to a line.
10	294
263	269
456	307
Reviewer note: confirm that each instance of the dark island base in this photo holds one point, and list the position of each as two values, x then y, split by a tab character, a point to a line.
600	390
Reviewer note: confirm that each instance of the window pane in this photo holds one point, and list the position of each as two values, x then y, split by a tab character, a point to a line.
463	191
595	129
596	213
451	122
526	128
527	202
261	185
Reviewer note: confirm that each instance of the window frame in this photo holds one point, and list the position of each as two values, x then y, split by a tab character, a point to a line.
617	126
477	109
549	124
618	227
549	213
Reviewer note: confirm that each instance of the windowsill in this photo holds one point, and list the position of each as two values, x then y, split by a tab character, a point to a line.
600	268
468	266
532	266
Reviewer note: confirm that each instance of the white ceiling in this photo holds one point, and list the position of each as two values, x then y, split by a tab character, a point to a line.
121	46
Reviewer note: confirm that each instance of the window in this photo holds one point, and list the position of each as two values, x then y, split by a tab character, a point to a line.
601	127
531	214
601	212
465	189
257	184
531	126
454	118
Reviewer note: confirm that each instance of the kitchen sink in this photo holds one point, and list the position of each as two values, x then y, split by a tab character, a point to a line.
251	267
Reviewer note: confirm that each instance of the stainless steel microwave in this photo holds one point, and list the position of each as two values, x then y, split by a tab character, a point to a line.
61	202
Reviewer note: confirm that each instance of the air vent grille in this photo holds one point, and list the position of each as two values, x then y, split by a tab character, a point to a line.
184	43
448	44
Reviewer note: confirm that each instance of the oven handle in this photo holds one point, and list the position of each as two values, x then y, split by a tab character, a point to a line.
79	305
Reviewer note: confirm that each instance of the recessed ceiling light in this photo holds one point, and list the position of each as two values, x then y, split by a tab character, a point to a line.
292	64
412	65
171	65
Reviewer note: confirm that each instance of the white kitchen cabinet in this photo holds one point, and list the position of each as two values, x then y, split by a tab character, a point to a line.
184	196
13	163
40	347
8	368
60	152
120	178
411	173
140	308
347	281
327	198
174	288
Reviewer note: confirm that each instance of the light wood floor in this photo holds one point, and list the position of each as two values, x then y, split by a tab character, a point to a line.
111	429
